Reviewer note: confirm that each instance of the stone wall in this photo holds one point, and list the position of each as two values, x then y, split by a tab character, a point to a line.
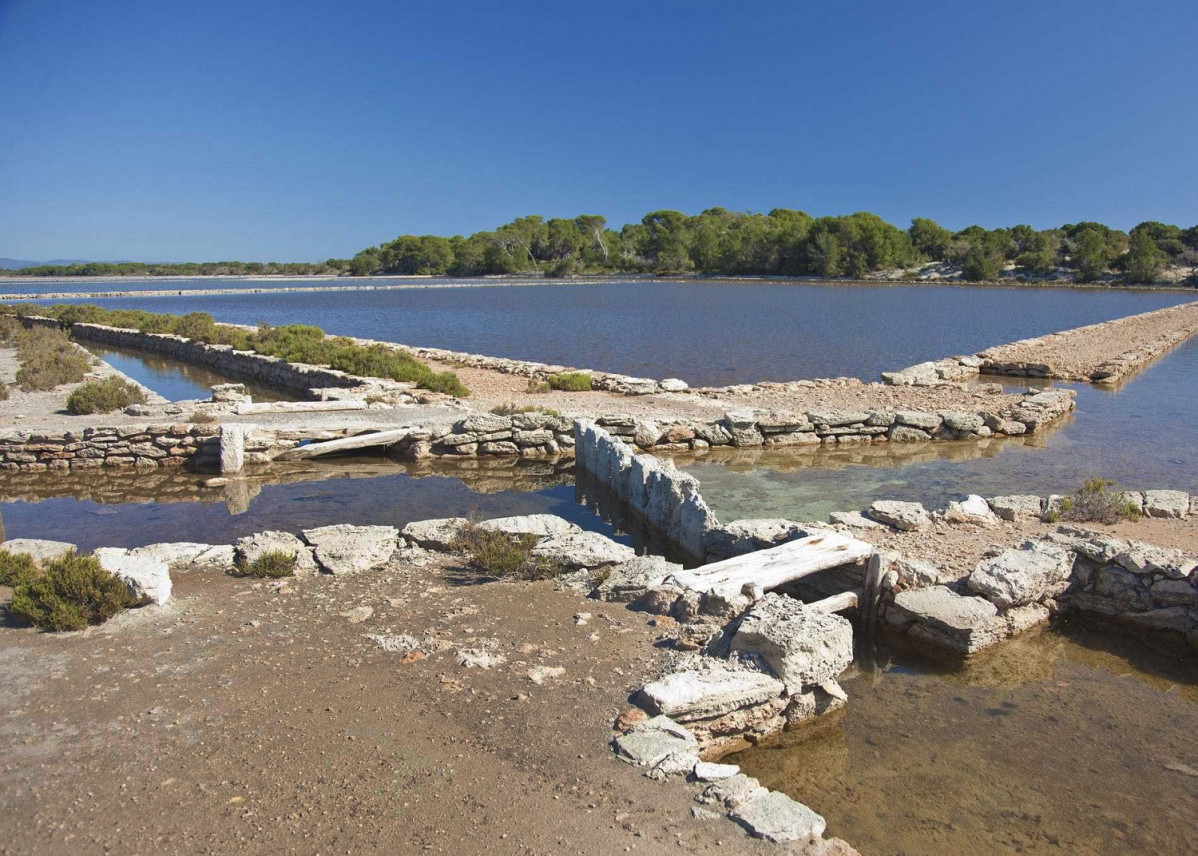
744	428
272	372
655	489
148	447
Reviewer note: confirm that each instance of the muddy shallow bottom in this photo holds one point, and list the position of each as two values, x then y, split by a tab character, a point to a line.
1072	740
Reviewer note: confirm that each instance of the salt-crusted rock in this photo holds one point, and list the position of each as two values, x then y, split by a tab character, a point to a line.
1016	507
707	771
38	549
905	434
915	573
185	555
1146	559
674	764
962	423
649	742
434	534
346	549
854	520
646	433
905	516
973	510
632	579
583	550
776	817
673	384
704	694
1025	575
732	791
541	525
918	419
1166	503
251	547
658	600
801	646
148	579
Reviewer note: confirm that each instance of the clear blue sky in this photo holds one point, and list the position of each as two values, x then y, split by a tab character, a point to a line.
269	130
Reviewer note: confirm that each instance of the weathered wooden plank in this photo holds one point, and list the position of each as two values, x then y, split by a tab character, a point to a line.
768	569
837	602
348	444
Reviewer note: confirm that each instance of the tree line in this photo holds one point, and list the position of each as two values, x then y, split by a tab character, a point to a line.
720	242
330	267
783	242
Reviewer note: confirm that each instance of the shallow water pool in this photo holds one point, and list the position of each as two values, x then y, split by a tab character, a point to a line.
1067	741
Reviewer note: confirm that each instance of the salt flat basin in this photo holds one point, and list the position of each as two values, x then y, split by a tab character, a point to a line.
705	332
1142	435
1068	741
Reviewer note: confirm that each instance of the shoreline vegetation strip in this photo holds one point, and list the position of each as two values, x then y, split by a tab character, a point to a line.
717	241
295	343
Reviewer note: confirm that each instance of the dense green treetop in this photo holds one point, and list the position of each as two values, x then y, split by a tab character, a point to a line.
720	242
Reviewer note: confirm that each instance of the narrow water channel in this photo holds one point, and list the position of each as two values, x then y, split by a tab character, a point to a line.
174	380
1077	740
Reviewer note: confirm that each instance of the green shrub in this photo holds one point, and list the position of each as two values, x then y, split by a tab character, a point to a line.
48	360
570	382
10	328
535	386
70	593
104	396
510	409
499	554
271	565
295	343
1094	503
15	568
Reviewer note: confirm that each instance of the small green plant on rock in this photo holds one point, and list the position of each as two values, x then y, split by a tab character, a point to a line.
570	382
273	564
1094	502
70	593
498	554
104	396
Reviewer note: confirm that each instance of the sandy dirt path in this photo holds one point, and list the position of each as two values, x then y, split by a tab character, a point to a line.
250	718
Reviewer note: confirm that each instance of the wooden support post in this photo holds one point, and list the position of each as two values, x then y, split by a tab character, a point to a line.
348	444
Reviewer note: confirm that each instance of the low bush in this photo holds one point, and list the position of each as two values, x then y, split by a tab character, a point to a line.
535	386
104	396
499	554
570	382
271	565
70	593
15	568
10	328
510	409
48	360
1096	502
295	343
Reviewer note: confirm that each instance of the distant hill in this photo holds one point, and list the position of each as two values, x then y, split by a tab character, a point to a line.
15	264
